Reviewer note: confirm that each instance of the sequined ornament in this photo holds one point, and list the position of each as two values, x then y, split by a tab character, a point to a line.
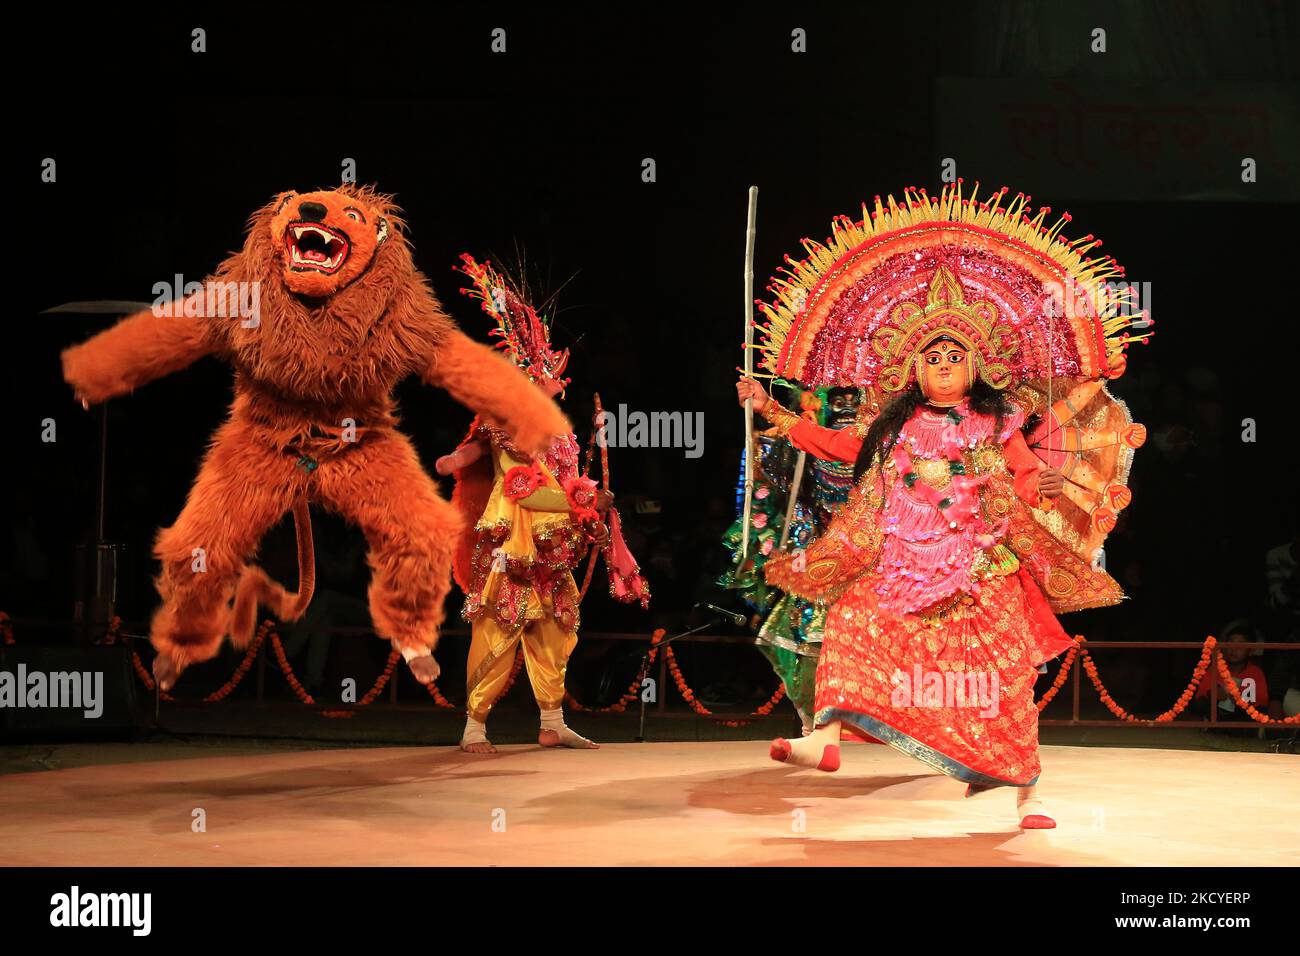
1028	302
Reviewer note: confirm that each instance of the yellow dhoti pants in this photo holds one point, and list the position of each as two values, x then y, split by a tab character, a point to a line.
547	647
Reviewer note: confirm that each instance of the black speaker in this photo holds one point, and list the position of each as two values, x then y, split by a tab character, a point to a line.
87	692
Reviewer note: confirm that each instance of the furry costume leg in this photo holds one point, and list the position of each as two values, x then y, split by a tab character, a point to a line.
243	489
412	532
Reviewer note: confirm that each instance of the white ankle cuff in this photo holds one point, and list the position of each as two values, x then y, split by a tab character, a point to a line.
475	732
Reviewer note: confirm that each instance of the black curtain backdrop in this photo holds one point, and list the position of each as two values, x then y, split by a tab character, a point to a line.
163	153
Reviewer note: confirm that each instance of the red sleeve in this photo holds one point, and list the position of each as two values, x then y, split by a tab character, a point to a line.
1261	685
1025	466
829	444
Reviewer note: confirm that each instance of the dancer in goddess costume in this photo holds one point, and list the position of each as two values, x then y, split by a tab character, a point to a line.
967	529
789	635
529	522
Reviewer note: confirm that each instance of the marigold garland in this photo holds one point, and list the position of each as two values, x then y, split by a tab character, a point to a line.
632	693
1180	705
689	695
370	696
1230	683
145	677
1209	650
1061	675
438	699
294	683
441	701
222	692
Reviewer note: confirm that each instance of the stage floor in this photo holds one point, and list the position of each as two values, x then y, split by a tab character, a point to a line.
648	804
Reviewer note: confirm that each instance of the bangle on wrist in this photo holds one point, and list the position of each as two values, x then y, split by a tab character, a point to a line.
782	418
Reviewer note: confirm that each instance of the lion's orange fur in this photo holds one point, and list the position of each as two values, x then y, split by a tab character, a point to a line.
308	366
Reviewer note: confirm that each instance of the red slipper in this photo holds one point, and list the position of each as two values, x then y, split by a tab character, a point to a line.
1037	821
830	761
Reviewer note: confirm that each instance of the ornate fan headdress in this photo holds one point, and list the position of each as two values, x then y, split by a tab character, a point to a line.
1030	307
524	334
1029	302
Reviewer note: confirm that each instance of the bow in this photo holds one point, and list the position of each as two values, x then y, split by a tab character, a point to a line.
625	581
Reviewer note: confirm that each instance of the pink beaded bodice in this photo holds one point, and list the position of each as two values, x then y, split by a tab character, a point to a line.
926	555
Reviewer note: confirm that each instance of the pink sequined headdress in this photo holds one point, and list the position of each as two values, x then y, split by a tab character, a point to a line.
524	334
1027	303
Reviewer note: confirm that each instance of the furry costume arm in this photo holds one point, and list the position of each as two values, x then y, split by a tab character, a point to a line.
137	350
490	385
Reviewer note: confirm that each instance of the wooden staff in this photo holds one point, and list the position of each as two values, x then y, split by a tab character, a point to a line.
749	371
794	498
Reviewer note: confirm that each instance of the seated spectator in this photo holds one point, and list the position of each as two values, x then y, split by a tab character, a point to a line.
1249	676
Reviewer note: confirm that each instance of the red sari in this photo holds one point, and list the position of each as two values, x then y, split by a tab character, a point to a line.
935	630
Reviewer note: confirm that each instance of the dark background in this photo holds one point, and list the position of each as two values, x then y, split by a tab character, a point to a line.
163	153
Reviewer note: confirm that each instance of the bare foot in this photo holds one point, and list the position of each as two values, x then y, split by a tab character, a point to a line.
565	737
478	747
425	669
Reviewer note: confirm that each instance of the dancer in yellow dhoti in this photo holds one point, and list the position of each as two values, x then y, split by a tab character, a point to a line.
518	581
531	521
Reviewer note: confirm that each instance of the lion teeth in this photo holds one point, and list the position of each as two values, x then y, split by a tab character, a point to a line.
299	230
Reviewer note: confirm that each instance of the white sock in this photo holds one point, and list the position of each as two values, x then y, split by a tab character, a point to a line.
553	720
1028	801
475	732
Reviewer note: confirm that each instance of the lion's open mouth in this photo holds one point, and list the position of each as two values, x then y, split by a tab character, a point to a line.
313	247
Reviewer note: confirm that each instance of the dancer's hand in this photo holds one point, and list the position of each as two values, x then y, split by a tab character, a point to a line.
599	533
1117	368
603	500
458	459
749	388
1051	483
425	669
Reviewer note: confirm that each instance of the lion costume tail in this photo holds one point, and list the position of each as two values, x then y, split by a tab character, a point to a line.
255	587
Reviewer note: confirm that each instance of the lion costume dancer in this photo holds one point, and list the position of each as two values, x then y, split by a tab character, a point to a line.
342	316
965	532
530	520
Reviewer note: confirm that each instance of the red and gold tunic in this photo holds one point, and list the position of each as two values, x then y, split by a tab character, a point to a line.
936	628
